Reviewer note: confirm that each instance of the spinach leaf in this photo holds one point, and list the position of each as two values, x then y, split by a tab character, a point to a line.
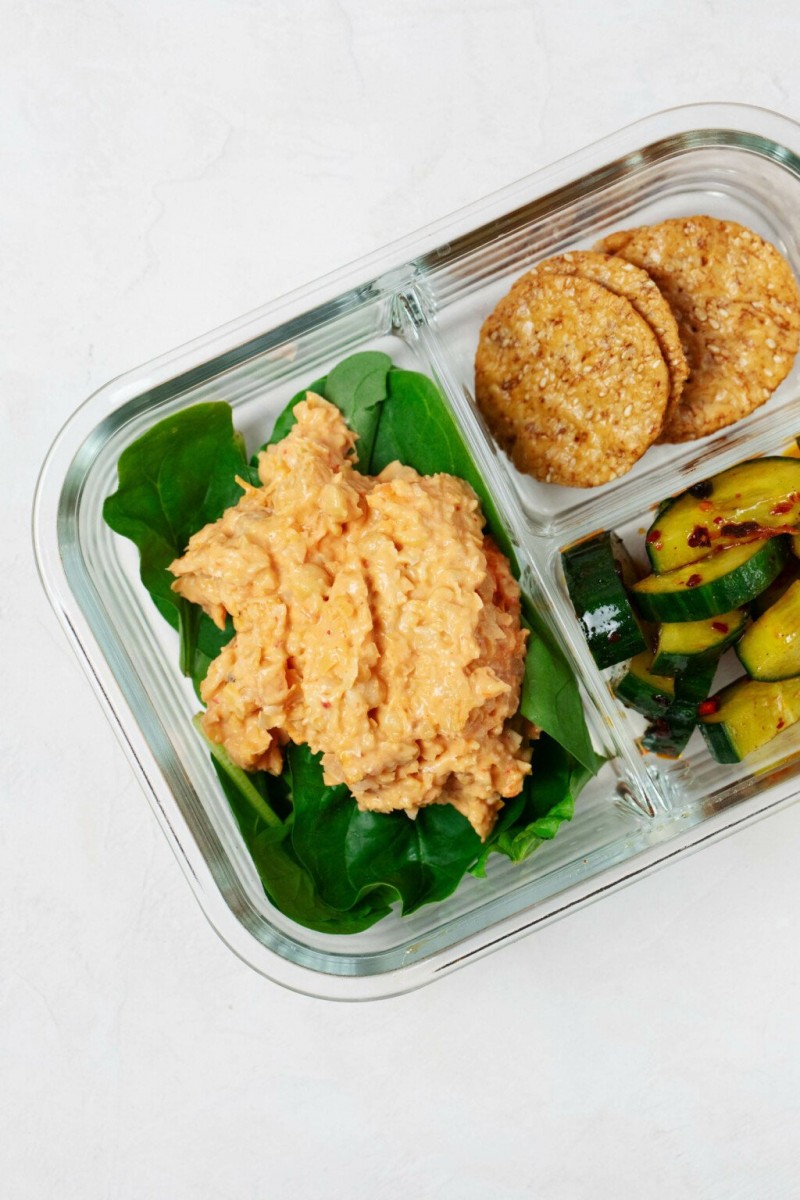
546	801
254	799
173	480
417	428
550	696
353	855
286	881
324	863
357	386
286	419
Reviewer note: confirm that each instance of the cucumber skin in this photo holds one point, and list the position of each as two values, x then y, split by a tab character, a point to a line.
660	564
782	613
719	596
781	699
677	664
719	743
670	733
670	742
641	697
672	723
753	667
604	611
781	583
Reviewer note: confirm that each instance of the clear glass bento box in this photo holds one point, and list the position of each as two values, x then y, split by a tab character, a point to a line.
423	301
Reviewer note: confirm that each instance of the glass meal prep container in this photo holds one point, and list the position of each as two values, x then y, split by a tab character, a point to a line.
423	301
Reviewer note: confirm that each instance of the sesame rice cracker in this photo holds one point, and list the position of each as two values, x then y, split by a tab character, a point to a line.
626	279
738	310
570	379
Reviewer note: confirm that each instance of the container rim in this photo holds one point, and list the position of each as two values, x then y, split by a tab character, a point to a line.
434	243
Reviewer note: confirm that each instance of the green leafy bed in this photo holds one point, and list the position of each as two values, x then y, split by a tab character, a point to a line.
322	862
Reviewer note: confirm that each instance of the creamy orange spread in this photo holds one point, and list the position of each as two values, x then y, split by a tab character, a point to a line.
374	622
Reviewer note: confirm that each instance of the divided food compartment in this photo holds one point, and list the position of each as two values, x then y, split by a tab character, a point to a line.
424	305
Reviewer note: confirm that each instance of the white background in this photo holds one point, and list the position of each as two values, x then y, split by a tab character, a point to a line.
167	166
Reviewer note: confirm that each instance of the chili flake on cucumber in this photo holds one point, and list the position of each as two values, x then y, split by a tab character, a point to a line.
725	576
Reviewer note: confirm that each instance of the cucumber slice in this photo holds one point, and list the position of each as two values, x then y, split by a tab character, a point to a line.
597	573
726	579
747	715
780	583
681	643
670	704
771	647
694	683
763	493
669	735
642	690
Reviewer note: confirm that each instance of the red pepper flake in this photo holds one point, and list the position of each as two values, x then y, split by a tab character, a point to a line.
706	708
783	506
719	627
740	529
693	580
706	505
780	724
614	636
699	536
719	520
653	536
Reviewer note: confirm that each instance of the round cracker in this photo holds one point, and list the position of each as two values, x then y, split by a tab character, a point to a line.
571	380
626	279
738	310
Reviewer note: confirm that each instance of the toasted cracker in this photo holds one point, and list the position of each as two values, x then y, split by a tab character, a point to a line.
571	380
738	310
626	279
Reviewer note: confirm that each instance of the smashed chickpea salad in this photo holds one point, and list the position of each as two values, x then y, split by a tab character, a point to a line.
348	612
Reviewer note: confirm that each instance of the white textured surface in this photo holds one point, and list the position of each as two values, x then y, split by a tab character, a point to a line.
167	167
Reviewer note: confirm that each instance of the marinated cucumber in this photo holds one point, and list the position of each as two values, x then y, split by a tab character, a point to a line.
694	683
670	732
780	583
668	735
642	690
746	715
726	579
762	494
681	643
598	571
670	704
770	649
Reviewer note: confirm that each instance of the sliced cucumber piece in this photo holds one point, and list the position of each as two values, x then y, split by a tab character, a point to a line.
642	690
670	704
681	643
668	735
726	579
747	714
780	583
763	493
771	647
598	571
